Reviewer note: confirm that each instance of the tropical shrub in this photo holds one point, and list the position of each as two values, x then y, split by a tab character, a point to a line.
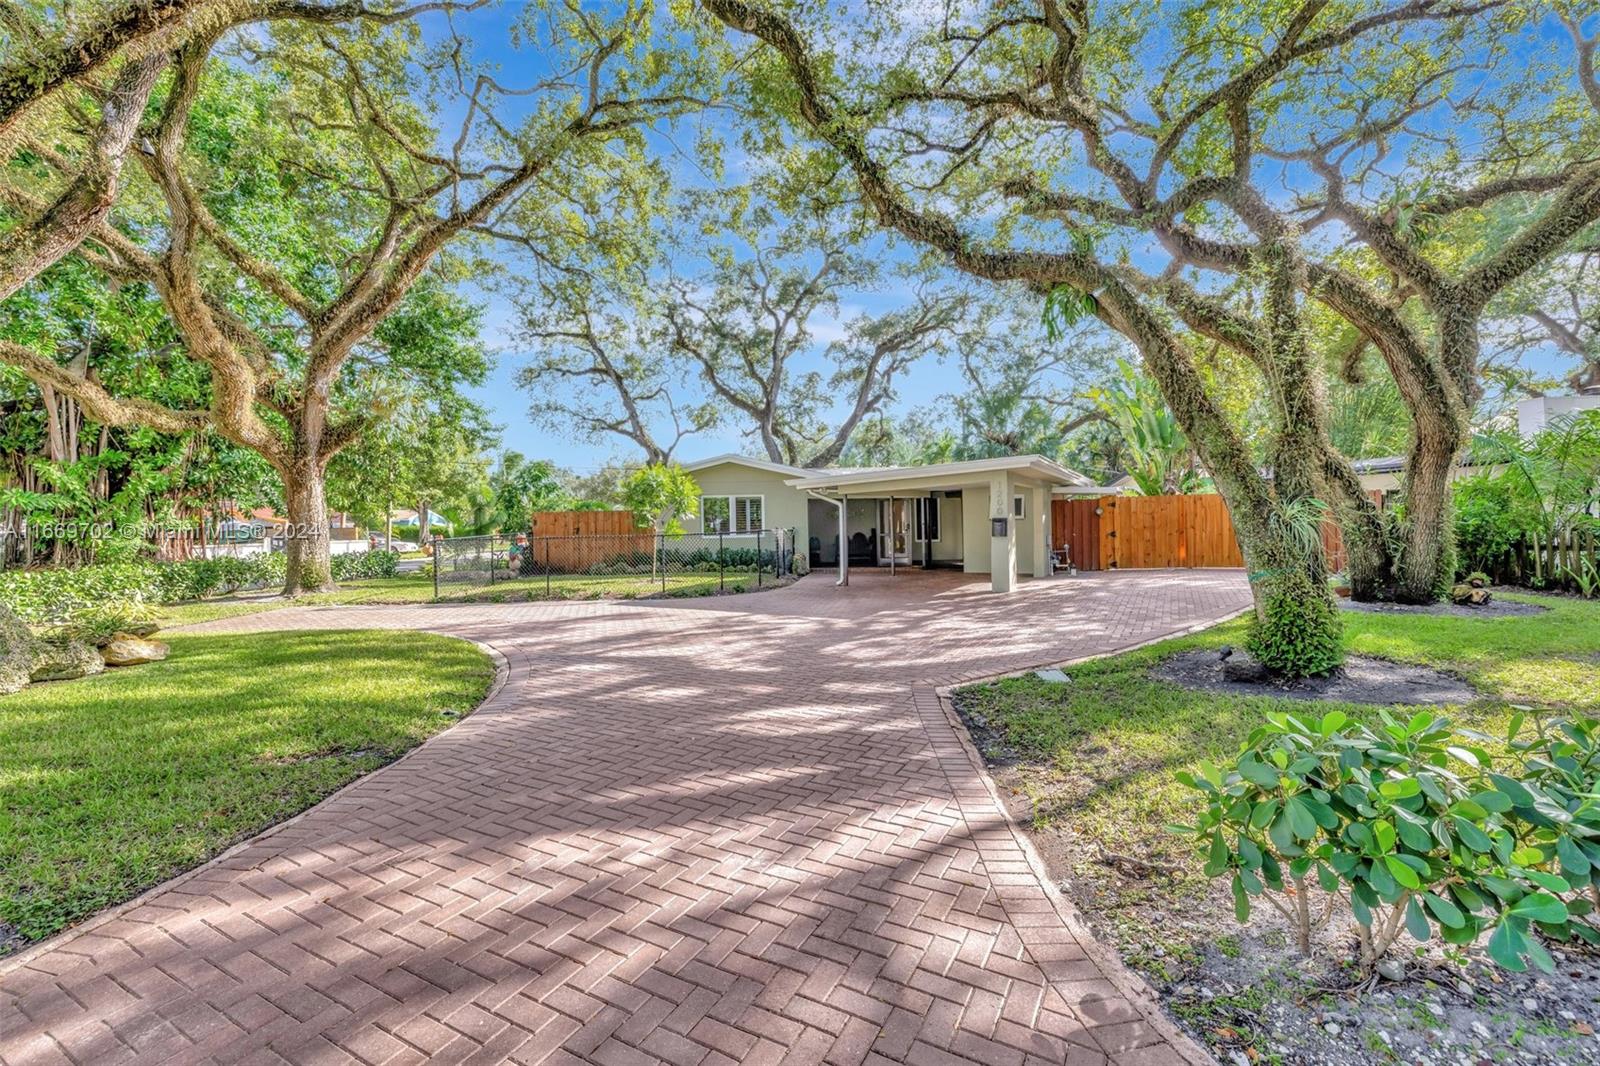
55	595
52	596
1298	634
96	625
1487	522
1406	828
376	563
1556	801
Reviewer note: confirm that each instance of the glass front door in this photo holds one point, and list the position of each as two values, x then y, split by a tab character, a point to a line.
894	536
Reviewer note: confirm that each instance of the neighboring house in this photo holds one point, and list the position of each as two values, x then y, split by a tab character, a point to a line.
984	516
1384	474
1535	414
405	520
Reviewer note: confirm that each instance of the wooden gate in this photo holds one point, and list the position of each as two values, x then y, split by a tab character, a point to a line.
1158	532
1145	532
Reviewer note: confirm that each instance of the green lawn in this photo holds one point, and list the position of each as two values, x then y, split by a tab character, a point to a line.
114	783
1098	752
418	588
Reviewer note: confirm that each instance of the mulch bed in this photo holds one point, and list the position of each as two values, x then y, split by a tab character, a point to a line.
1492	609
1360	680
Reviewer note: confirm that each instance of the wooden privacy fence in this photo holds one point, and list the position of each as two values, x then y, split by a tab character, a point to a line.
577	538
1569	560
1157	532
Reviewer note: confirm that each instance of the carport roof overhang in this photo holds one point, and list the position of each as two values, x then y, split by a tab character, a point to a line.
885	481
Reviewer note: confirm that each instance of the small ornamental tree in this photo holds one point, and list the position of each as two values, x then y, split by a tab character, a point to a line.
1406	828
657	494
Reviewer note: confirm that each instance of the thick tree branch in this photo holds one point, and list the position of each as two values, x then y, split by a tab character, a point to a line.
99	404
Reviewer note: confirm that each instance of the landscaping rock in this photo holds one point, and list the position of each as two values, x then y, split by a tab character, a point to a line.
126	649
65	660
1465	595
1245	671
16	652
1392	970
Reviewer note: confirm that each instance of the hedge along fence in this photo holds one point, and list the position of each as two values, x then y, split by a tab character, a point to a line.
53	596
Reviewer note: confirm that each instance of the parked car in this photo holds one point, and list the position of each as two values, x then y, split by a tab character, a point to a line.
375	540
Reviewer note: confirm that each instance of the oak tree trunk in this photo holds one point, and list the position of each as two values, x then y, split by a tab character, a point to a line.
306	544
1428	560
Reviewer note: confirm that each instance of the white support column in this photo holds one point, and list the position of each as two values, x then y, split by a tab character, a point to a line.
1039	518
844	542
1002	549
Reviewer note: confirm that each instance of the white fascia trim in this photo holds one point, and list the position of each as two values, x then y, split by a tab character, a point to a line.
744	460
1035	464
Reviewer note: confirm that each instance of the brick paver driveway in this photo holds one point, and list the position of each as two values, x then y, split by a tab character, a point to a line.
694	832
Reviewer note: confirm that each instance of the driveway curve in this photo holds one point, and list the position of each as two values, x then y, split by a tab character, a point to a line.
733	830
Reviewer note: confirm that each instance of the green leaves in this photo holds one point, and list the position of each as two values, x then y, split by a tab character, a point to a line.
1064	308
1413	827
1252	769
1540	907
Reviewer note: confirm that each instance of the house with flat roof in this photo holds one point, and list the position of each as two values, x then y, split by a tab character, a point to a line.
981	516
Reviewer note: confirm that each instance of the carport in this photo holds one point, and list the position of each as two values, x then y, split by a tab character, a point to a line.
983	516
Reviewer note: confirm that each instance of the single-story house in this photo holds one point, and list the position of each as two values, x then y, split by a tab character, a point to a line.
983	516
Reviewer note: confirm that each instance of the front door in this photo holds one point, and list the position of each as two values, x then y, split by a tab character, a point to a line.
894	532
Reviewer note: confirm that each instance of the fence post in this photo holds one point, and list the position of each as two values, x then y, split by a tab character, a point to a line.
547	568
492	539
758	558
663	538
722	565
438	545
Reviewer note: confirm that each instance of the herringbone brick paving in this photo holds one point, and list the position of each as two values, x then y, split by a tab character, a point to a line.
740	830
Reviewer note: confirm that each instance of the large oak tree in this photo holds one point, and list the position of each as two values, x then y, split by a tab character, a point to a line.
1026	142
283	296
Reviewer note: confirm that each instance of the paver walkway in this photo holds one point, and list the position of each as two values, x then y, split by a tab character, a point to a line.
693	832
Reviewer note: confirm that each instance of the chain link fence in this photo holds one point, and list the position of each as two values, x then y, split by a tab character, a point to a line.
623	565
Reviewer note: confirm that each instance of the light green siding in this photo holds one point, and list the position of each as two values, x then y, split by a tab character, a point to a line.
975	530
782	506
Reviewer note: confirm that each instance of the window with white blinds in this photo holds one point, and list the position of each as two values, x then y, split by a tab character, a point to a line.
732	514
747	513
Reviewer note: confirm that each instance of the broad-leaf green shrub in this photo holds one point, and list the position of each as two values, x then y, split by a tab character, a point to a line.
1556	802
1299	633
54	596
1487	523
51	597
1404	827
375	563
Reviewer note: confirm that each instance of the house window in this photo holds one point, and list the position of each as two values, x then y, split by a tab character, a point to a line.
714	514
747	513
1016	507
927	519
731	514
